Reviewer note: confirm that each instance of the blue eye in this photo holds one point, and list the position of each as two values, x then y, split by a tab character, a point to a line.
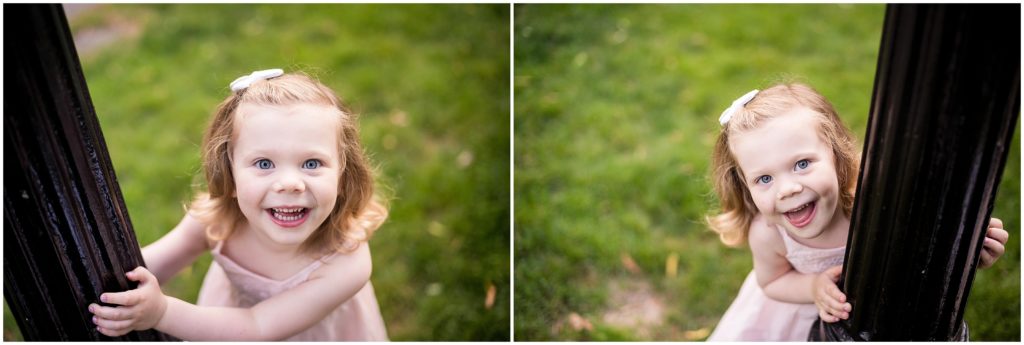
802	164
264	164
765	179
311	164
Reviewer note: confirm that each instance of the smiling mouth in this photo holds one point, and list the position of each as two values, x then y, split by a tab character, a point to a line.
288	217
801	216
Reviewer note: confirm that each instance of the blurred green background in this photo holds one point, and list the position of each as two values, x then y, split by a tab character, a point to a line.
430	83
616	113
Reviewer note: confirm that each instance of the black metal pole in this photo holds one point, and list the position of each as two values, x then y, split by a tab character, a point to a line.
67	236
943	112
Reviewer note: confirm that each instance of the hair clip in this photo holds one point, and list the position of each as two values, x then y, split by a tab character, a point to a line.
246	80
739	102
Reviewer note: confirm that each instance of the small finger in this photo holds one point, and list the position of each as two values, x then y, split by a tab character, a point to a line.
110	332
115	325
999	234
824	315
995	223
993	247
139	274
835	308
990	243
837	295
110	313
121	298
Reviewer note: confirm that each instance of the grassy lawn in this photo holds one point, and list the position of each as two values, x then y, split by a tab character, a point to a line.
616	113
430	83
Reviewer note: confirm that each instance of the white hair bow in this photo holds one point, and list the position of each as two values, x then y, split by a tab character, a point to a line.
736	105
246	80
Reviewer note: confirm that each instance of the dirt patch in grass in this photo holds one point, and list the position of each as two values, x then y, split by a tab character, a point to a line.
95	27
633	304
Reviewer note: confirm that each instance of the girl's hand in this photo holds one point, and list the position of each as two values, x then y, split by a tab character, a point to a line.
831	302
995	240
140	309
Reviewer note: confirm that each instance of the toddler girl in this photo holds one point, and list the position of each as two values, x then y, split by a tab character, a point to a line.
289	208
785	171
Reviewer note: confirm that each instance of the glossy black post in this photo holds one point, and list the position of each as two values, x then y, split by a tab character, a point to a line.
67	236
944	108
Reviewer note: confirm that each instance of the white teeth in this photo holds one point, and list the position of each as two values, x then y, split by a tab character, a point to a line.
287	218
800	208
288	214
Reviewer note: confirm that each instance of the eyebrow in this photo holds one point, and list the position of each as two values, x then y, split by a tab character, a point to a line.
261	152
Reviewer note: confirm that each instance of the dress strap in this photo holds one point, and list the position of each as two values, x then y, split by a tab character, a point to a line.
806	259
231	265
791	244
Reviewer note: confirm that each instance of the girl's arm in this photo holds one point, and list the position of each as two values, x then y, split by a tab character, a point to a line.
776	276
780	281
177	249
276	318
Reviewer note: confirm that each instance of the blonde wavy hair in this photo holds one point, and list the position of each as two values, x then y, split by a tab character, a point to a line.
357	212
732	222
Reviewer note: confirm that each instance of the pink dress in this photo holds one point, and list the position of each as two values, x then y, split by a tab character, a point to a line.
753	316
228	284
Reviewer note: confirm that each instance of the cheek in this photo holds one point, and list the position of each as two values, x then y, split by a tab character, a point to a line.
246	197
247	190
827	183
325	189
762	200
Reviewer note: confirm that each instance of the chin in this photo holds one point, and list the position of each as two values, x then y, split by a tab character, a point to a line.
288	236
290	239
812	231
809	234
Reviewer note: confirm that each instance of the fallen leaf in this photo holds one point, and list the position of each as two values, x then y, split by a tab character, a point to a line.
489	300
434	289
399	118
464	159
672	265
628	262
579	323
437	229
697	334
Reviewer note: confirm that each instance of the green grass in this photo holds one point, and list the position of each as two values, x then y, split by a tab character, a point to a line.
430	83
616	113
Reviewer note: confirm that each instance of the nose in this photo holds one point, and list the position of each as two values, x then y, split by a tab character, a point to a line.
789	188
289	182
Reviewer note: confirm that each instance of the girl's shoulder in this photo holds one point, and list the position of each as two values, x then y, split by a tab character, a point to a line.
764	236
196	230
346	267
205	225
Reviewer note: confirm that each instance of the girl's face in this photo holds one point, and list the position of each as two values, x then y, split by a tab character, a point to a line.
285	165
791	173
